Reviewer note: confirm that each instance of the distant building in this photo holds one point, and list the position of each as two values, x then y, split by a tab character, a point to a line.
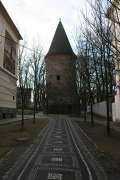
114	15
27	97
9	39
60	75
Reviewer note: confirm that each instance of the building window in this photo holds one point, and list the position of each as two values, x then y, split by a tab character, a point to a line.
58	77
9	53
13	98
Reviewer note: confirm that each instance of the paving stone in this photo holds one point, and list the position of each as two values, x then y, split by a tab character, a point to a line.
58	160
54	175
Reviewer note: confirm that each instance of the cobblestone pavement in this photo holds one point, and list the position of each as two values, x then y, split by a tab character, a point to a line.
111	167
57	154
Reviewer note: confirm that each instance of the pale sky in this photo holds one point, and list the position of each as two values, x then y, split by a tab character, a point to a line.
38	19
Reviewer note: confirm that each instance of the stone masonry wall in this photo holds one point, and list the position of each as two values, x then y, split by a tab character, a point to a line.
61	86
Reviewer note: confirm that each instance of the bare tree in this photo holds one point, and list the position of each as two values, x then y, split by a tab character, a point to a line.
98	49
23	79
38	78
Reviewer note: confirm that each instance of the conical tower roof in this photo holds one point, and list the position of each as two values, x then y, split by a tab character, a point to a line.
60	43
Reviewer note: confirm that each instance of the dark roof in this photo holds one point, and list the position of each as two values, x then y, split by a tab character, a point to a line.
60	43
9	20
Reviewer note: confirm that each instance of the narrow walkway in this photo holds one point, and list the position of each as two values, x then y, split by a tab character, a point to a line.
19	117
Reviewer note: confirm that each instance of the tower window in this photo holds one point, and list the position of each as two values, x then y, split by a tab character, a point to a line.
58	77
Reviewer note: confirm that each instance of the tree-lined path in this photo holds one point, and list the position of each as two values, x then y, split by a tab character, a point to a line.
57	153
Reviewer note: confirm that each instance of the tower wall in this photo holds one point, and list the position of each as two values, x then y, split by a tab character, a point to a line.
60	83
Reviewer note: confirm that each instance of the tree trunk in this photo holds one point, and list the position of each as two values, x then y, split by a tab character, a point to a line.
91	108
22	121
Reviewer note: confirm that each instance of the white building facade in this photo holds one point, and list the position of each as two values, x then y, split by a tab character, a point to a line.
9	40
114	15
